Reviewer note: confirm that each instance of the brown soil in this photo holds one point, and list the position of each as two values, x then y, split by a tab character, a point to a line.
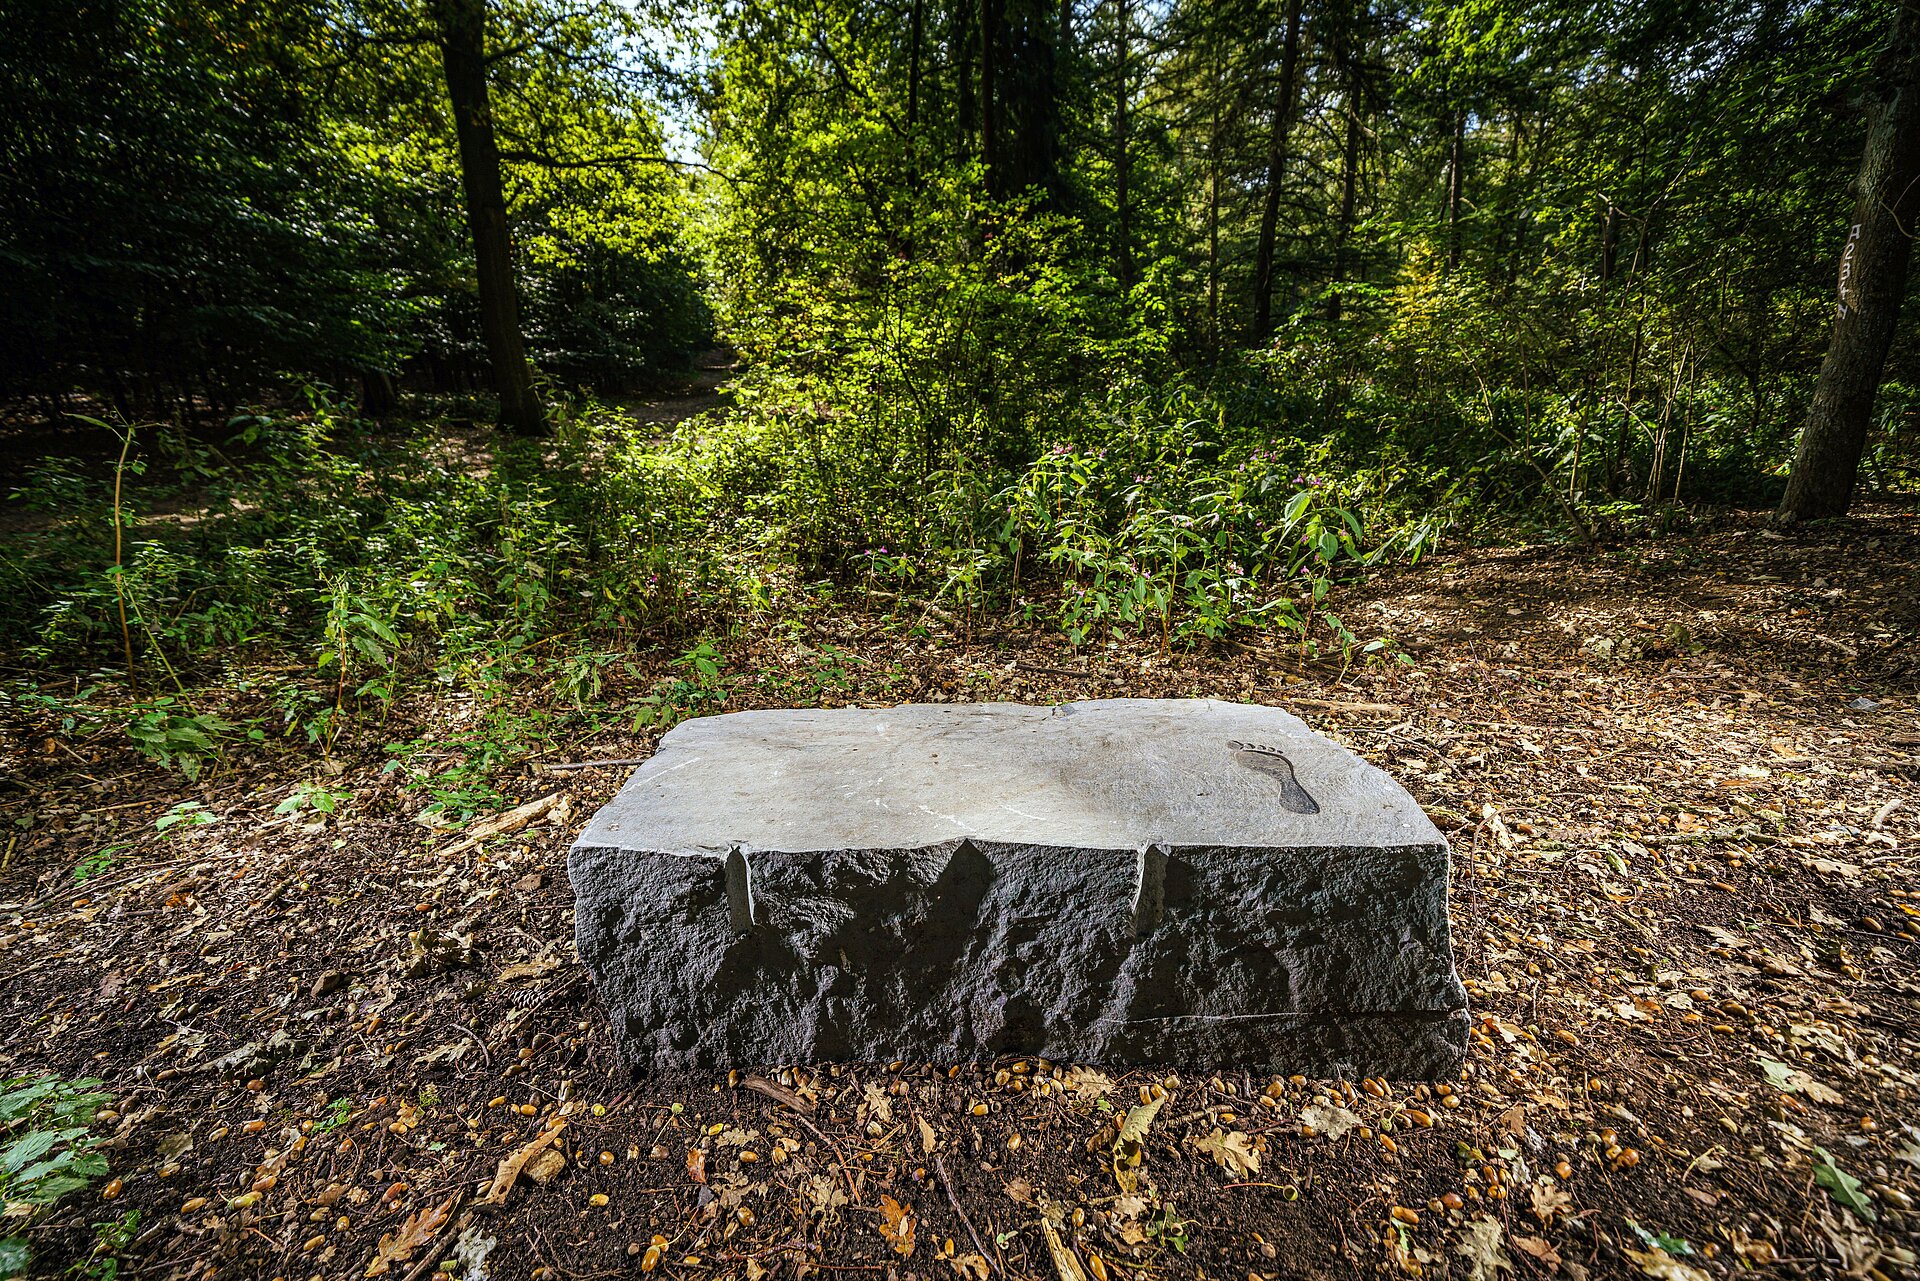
1680	780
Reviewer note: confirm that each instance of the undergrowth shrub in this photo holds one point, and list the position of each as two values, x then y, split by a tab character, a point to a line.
467	571
47	1150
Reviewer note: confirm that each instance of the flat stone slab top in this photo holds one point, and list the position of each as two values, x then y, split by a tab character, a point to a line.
1118	881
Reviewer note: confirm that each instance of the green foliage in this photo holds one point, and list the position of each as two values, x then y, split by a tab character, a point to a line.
202	196
316	798
696	691
184	817
109	1239
100	861
47	1149
339	1112
172	735
1021	368
1842	1187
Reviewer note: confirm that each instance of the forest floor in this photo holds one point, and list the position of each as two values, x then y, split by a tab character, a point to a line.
1681	779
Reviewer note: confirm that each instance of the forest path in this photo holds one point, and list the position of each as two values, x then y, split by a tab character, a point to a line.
706	389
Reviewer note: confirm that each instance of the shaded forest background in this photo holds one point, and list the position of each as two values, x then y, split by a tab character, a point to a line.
1120	318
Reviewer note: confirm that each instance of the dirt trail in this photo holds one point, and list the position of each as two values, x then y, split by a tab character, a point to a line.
712	370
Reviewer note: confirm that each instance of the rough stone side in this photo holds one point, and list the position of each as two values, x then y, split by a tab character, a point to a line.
1313	960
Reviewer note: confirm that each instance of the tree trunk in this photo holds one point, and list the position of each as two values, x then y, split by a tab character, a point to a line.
1276	172
379	398
1028	99
961	42
913	64
1609	242
1213	217
1873	277
1349	182
989	114
1456	185
1123	164
462	27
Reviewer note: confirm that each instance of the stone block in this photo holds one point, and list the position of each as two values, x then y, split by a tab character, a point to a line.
1118	881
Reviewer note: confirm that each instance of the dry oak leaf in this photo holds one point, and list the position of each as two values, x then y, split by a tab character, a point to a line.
896	1225
419	1229
1231	1150
1658	1263
1549	1201
825	1191
1540	1249
1329	1120
970	1267
1480	1245
1087	1084
697	1164
1127	1212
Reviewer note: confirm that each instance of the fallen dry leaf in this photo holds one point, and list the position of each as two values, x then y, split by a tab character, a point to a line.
825	1191
1088	1084
511	1166
1538	1248
1329	1120
1129	1148
419	1230
896	1225
1231	1150
1480	1245
537	967
1549	1201
1658	1263
1065	1261
546	1166
1791	1080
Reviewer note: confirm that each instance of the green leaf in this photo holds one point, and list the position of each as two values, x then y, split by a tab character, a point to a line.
16	1102
1842	1187
36	1144
50	1190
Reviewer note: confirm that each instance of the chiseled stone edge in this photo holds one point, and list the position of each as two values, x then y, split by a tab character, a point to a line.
1406	1043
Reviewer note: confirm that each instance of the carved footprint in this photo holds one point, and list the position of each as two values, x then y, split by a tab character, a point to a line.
1274	764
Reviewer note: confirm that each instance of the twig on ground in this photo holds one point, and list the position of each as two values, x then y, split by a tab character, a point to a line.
953	1199
1341	705
603	764
430	1257
760	1085
1052	671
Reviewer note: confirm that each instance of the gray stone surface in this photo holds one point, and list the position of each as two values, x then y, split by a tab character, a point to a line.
1119	881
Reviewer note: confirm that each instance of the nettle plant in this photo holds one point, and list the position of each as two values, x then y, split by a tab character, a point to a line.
1184	546
47	1150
